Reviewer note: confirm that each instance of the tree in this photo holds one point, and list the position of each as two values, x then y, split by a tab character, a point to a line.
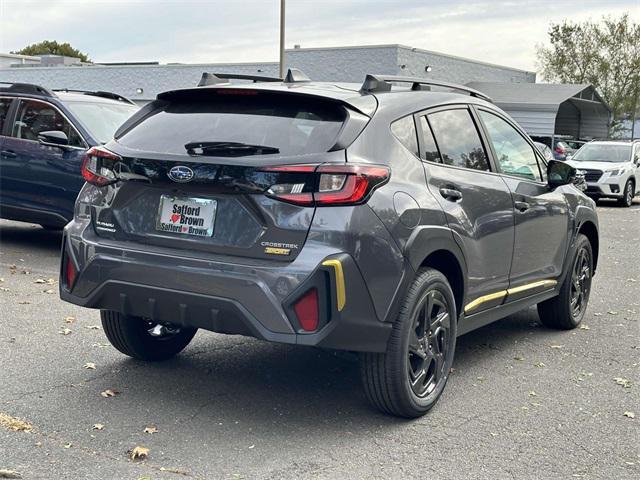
53	48
604	54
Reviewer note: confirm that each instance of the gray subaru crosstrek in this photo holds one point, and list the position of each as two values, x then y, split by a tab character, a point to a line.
386	218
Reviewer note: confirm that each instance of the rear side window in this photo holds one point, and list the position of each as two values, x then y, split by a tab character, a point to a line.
405	131
5	103
458	139
34	117
238	125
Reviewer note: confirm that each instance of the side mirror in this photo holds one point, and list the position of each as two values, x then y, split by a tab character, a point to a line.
560	173
54	138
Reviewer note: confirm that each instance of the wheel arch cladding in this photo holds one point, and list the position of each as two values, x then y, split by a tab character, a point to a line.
589	230
447	263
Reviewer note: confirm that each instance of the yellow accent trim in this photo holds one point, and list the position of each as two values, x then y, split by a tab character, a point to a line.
484	299
277	251
530	286
341	295
511	291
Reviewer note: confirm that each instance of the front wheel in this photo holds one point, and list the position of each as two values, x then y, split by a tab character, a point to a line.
408	379
142	339
627	194
566	311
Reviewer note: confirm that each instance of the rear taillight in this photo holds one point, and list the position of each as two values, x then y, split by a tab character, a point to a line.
307	312
326	184
98	166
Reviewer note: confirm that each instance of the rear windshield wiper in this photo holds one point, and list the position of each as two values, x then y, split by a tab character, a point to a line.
228	149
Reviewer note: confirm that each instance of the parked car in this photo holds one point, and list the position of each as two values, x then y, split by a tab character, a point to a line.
611	169
545	150
575	145
43	137
371	218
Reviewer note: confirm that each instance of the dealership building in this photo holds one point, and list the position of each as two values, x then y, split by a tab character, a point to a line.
543	109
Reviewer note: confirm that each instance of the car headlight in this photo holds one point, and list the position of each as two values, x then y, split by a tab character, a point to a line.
615	173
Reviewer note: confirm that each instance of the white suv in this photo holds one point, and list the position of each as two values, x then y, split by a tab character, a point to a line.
611	169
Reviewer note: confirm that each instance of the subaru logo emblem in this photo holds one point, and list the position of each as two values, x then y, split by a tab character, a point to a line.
181	174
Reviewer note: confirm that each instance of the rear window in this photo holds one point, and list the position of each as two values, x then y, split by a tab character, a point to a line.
285	125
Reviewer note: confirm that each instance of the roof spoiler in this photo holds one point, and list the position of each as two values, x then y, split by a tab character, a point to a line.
293	76
382	83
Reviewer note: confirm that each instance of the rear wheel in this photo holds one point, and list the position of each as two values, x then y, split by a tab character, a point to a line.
410	376
142	339
627	194
567	309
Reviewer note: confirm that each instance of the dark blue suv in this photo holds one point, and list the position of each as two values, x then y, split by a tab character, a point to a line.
43	137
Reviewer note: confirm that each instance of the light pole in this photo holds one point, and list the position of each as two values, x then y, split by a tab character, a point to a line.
282	38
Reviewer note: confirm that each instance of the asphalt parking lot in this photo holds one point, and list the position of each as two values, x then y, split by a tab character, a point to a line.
523	402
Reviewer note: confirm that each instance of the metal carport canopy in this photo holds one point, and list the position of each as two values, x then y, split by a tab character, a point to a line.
545	109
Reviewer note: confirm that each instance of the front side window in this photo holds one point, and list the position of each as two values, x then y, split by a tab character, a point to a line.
514	155
405	131
34	117
458	139
5	103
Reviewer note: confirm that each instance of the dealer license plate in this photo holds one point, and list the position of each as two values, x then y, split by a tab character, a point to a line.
187	215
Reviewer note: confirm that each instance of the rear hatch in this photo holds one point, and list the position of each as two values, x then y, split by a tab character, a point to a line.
193	173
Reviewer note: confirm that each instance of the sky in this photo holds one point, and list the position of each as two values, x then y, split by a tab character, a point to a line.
200	31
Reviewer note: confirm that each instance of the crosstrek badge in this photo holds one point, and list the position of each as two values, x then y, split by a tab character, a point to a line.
186	215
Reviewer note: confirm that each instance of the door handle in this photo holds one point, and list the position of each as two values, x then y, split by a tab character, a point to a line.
8	154
451	194
521	206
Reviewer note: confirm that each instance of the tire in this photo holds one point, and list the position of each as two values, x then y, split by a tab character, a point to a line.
388	377
627	194
560	312
133	337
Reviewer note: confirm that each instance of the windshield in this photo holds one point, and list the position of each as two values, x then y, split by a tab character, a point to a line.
102	119
603	152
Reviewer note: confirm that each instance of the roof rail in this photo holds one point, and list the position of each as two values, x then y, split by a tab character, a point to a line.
293	76
26	88
99	93
382	83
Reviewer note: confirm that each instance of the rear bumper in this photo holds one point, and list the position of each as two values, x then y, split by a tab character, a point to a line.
217	295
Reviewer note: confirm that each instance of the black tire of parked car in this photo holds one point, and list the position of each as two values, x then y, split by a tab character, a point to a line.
133	336
566	311
627	194
410	376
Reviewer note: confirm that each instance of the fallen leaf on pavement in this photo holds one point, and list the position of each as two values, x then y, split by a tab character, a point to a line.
49	291
109	393
540	364
39	280
14	424
89	366
151	429
629	414
24	302
9	473
65	331
520	359
532	393
100	345
597	314
556	346
12	267
623	382
585	327
69	319
67	445
612	312
93	327
139	453
97	426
